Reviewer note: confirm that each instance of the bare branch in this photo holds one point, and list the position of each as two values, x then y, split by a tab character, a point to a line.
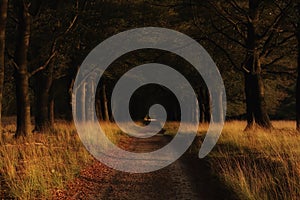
11	16
59	36
274	61
245	69
226	15
286	39
71	24
235	25
176	5
276	21
230	59
289	73
44	66
227	36
235	5
268	47
53	51
11	61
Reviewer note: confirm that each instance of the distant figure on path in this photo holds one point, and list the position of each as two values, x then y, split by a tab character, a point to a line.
148	119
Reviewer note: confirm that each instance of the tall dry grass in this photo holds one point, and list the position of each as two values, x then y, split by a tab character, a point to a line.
35	166
255	165
259	164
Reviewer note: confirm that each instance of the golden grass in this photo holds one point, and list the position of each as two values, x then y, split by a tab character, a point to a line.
35	166
259	164
255	164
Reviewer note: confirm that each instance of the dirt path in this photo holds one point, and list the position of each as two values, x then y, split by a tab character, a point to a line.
187	178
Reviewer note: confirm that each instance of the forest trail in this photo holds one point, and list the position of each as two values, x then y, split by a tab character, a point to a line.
187	178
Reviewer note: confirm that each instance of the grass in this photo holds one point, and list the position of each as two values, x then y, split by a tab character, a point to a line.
35	166
255	164
258	164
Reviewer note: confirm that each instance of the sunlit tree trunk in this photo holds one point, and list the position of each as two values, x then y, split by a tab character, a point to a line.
3	17
254	88
21	72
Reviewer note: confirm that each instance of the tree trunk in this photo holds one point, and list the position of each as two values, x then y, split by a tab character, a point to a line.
202	113
205	107
89	105
105	104
3	17
98	106
256	105
51	105
43	87
254	88
196	110
21	72
82	102
298	78
41	116
219	108
42	122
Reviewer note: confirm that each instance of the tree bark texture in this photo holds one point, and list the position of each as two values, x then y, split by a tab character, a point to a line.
21	72
254	88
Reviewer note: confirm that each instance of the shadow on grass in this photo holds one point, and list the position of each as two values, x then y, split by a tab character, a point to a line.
4	189
237	155
204	181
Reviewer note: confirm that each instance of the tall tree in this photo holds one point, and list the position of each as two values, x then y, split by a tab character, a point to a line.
21	69
253	27
3	17
254	87
42	96
25	10
44	74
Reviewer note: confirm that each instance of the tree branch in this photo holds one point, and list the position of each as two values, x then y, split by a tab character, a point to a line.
276	22
235	5
236	26
176	5
289	73
274	61
227	36
11	61
53	51
223	50
44	66
268	47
